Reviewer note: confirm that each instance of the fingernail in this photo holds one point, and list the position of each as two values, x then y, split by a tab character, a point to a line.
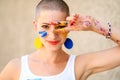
72	23
75	18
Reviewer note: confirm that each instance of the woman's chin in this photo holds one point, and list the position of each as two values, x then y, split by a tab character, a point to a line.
53	48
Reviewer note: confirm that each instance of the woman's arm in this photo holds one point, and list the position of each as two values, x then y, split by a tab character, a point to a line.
106	59
101	60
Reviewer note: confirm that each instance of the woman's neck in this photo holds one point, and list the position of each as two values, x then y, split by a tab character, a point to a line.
51	56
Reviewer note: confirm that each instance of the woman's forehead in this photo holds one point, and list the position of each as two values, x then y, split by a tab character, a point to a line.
49	16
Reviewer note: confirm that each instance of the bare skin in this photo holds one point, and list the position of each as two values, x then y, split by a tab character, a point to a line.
52	60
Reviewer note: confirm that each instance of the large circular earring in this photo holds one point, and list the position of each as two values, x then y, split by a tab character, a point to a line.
37	43
68	43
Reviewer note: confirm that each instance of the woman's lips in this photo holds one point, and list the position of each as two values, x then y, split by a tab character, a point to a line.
53	42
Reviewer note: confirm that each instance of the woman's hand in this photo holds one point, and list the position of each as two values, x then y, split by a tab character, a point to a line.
81	23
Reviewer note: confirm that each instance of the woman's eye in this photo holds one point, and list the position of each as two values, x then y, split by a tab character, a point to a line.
45	26
60	27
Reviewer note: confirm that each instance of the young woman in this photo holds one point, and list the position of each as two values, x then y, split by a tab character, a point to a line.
52	24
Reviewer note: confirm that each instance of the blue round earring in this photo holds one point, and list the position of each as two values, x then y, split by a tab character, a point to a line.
68	43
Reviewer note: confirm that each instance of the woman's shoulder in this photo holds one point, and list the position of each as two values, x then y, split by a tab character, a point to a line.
12	69
16	62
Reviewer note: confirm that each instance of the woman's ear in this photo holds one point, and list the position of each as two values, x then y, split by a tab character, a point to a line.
35	25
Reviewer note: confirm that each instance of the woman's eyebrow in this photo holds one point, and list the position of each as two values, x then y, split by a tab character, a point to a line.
50	23
46	23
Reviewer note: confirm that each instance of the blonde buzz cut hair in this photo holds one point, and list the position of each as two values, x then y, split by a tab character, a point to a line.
58	5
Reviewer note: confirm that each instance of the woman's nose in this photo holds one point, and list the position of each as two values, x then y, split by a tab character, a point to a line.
52	33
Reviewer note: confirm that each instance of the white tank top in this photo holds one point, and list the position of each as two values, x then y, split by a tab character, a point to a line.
67	74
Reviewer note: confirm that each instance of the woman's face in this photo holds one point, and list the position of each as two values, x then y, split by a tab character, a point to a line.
54	38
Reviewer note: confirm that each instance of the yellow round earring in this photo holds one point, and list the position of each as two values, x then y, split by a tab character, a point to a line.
37	43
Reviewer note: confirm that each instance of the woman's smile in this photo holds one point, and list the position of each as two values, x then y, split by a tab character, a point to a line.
54	42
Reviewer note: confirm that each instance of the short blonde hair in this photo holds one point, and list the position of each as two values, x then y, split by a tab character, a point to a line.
59	5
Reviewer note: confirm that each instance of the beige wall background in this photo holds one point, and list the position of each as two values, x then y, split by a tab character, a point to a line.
17	34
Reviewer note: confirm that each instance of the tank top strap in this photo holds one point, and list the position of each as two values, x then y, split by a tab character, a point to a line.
25	72
24	62
70	67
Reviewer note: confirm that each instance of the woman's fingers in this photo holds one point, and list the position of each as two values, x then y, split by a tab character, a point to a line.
79	23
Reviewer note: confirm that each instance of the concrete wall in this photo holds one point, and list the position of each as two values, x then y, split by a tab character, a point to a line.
17	34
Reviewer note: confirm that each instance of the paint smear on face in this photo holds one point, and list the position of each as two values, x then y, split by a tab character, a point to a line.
43	33
64	33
